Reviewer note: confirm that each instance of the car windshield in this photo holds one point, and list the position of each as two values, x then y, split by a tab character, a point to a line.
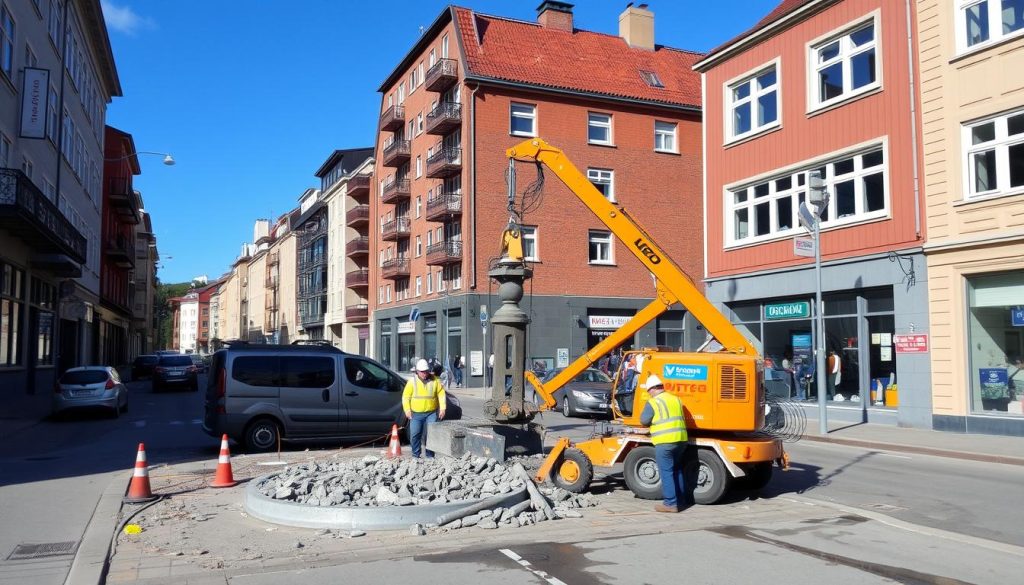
175	360
84	377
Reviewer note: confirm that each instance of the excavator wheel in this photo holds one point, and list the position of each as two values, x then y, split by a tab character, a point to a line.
573	472
706	476
640	470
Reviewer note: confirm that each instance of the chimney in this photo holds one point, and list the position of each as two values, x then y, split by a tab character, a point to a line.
636	27
555	15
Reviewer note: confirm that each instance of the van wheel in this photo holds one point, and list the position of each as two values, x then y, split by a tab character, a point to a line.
640	471
262	435
707	477
573	472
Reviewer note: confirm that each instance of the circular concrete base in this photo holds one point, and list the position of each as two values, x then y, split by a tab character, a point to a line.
268	509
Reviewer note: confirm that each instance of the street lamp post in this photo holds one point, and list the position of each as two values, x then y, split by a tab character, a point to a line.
810	218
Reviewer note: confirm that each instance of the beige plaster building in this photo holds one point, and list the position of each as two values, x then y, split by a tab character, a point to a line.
971	56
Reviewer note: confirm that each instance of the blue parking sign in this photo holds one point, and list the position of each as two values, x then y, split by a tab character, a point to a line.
1017	316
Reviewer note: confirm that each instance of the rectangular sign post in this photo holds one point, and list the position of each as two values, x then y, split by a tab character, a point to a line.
33	102
803	247
1017	316
794	310
912	343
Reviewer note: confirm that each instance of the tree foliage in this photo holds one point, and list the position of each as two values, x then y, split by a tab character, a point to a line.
164	312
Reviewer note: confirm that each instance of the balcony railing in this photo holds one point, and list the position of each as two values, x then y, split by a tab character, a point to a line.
121	196
445	162
27	213
273	259
358	185
357	278
395	268
444	118
442	75
357	313
120	250
444	205
396	153
396	191
357	246
395	229
442	253
271	282
393	118
358	215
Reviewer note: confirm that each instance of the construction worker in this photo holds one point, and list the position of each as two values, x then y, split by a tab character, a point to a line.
663	413
424	402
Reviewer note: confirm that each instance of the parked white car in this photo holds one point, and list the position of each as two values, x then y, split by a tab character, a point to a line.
90	387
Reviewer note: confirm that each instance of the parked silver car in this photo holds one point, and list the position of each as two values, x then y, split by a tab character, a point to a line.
90	387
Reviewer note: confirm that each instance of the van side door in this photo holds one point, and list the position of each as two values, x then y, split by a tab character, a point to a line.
373	397
310	396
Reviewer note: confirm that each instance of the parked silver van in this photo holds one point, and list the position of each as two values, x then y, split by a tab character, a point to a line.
260	394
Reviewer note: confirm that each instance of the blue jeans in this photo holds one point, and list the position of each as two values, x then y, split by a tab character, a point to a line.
418	431
670	466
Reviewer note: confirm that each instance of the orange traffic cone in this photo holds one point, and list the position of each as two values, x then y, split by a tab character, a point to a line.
224	478
139	491
395	446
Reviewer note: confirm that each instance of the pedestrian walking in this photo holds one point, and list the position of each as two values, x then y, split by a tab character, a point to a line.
424	402
458	362
663	413
490	370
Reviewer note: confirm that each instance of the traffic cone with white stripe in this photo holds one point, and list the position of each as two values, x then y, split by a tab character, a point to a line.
139	491
395	447
224	478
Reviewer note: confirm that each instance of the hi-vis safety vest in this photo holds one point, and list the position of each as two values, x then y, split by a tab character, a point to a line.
420	396
668	425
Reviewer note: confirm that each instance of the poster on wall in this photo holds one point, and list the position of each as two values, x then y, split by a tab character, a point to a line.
994	382
801	349
563	357
1017	316
476	363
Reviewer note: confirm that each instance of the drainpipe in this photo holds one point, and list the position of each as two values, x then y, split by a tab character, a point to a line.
913	122
472	185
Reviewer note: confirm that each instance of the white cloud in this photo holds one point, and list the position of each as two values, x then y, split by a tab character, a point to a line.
123	18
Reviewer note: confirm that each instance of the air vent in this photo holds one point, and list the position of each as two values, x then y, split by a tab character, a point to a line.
733	383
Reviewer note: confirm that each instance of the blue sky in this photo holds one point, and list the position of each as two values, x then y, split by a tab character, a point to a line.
250	97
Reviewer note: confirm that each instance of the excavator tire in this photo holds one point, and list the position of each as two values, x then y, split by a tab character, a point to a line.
707	477
640	470
573	472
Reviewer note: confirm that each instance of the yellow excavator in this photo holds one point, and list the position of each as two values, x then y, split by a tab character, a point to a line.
722	390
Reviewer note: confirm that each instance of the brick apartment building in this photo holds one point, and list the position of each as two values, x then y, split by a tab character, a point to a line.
625	110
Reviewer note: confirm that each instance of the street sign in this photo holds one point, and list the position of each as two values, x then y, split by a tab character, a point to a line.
483	315
914	343
803	247
795	310
562	357
414	314
1017	316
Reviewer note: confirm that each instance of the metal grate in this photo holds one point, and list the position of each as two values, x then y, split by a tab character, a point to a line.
45	549
733	383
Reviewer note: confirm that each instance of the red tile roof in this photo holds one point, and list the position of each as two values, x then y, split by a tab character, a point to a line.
525	52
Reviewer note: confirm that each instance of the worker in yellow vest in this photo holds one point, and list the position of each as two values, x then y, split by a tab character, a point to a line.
424	402
663	413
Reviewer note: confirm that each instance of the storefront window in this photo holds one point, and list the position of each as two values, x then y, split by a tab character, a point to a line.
430	335
406	351
671	329
882	360
12	292
384	347
995	326
454	334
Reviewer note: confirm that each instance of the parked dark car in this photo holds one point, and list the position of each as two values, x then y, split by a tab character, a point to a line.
143	366
175	371
588	393
201	362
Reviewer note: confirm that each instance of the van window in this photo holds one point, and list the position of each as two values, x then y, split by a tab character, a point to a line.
366	374
307	372
255	371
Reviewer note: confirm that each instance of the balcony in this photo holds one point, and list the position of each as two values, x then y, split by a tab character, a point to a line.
358	246
270	304
444	118
357	278
358	186
357	313
273	259
120	250
396	191
358	215
442	75
121	196
444	163
271	282
393	118
27	213
443	253
395	229
444	205
396	153
395	268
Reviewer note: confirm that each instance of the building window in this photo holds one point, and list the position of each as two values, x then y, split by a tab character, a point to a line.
53	23
5	151
419	285
523	119
601	247
419	205
599	128
651	78
844	66
453	276
665	136
387	296
412	81
419	166
988	21
531	247
43	303
754	103
433	57
995	155
604	180
996	342
401	93
7	39
430	283
766	210
419	123
419	247
51	115
12	297
444	46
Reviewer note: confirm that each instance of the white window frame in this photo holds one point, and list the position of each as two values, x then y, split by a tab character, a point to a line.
674	134
419	246
419	123
994	20
531	116
603	177
594	121
730	205
419	205
530	235
601	238
5	150
846	53
8	41
401	93
419	166
430	283
419	286
419	73
433	57
444	46
1000	144
750	78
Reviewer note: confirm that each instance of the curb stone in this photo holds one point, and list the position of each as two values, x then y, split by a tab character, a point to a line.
92	560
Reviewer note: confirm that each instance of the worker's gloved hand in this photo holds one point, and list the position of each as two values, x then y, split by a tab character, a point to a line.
440	415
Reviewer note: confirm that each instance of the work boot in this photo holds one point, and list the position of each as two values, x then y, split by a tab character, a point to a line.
664	508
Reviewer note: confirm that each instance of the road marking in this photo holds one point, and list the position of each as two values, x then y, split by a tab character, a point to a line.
176	423
139	423
197	421
526	565
895	455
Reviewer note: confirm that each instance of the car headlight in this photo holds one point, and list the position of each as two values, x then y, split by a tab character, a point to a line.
582	395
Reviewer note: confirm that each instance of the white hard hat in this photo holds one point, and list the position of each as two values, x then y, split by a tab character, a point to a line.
653	381
422	366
